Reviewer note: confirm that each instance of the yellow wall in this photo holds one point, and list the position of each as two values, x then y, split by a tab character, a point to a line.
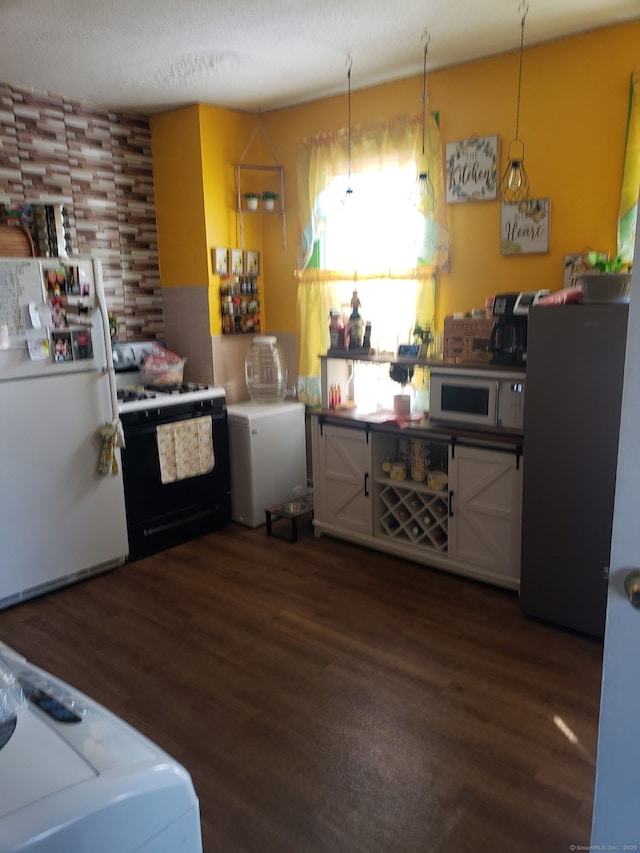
194	152
179	197
572	121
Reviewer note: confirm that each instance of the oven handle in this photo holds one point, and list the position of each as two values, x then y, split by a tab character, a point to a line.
149	427
170	525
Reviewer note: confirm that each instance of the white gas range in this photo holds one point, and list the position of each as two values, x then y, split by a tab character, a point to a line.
190	420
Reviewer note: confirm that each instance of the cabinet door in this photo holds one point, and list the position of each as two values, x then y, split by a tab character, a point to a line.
343	476
486	508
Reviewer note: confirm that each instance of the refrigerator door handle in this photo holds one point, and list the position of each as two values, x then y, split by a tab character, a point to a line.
104	317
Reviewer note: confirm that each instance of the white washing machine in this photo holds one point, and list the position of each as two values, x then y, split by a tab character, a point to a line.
74	778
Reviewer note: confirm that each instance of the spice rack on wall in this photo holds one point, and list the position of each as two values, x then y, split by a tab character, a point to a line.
238	271
272	175
240	305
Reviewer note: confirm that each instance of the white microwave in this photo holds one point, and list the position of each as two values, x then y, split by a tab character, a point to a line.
477	398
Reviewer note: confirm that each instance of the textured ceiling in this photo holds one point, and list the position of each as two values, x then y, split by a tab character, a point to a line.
153	55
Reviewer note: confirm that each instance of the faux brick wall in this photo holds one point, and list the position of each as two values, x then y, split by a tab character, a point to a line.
98	165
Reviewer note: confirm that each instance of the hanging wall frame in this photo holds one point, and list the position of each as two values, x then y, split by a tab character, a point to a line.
525	227
472	169
221	261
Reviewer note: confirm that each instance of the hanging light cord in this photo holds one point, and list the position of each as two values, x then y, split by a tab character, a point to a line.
426	38
427	194
525	9
349	64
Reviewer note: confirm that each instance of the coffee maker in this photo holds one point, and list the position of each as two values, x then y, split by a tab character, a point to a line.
508	341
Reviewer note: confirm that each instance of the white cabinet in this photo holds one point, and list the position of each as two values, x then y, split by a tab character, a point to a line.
485	509
471	527
342	476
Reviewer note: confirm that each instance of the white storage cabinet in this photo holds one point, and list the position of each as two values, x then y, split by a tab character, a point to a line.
471	527
342	491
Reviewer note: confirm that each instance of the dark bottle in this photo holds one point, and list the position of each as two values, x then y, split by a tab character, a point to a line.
336	331
366	342
356	324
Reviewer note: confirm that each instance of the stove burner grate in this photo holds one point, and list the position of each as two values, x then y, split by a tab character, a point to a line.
177	388
128	395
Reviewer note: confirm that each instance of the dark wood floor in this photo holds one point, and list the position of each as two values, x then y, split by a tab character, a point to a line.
328	698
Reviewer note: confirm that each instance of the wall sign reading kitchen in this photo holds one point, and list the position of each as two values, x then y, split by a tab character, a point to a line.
525	227
472	169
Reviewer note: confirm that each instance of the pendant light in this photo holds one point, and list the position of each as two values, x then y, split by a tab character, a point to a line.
425	184
514	184
349	64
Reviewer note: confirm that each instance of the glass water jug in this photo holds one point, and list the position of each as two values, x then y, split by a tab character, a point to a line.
265	370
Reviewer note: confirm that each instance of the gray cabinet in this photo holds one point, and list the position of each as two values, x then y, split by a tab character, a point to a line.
572	419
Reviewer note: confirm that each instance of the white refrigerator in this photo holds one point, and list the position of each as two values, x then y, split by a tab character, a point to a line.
61	520
267	446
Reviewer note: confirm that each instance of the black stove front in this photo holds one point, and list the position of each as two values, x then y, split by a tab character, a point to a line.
162	514
161	511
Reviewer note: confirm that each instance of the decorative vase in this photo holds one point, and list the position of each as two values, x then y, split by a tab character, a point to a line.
269	203
252	203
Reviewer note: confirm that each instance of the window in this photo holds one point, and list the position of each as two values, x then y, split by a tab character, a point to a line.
374	228
375	239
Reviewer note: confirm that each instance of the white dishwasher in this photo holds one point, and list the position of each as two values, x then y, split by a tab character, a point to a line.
75	778
267	447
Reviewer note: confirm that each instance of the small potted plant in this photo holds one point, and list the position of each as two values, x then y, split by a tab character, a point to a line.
607	280
422	337
251	200
269	199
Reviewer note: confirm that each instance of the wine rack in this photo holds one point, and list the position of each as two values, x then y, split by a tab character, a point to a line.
409	510
414	513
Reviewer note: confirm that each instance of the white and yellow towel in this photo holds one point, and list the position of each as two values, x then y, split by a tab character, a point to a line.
185	449
112	437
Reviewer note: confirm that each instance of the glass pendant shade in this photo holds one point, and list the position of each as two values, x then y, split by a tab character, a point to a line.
514	184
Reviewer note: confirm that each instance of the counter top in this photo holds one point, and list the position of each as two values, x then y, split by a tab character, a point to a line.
389	420
414	361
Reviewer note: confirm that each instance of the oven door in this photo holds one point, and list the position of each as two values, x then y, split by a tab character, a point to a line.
463	399
160	515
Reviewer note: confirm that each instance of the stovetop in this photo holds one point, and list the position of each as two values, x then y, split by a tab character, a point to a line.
138	397
134	395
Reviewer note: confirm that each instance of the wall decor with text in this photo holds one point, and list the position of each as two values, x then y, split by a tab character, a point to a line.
525	227
472	169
